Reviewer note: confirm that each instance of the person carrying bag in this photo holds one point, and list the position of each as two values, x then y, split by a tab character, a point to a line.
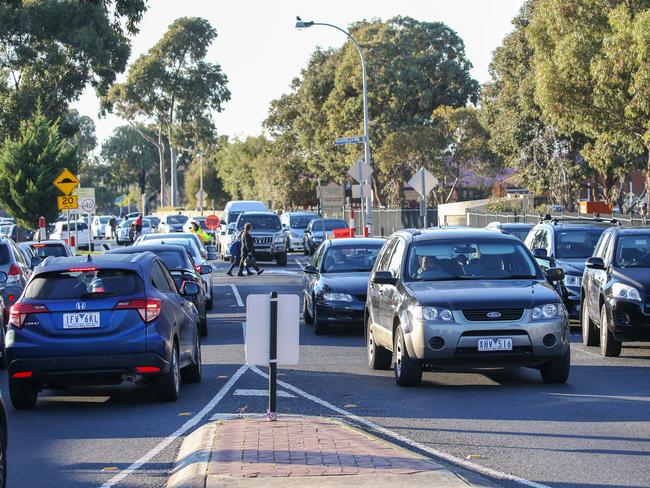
248	251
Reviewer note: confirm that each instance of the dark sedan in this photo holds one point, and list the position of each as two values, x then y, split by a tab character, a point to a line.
182	268
335	283
317	232
616	291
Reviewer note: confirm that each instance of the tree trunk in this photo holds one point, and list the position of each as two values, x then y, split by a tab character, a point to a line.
161	158
647	182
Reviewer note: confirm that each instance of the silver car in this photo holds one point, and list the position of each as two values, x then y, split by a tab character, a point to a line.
466	299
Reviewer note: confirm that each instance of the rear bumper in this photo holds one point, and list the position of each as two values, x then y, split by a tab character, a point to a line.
79	369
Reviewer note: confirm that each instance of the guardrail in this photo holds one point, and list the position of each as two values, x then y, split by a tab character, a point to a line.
481	219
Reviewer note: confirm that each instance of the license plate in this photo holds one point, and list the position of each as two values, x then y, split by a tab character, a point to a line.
500	344
85	320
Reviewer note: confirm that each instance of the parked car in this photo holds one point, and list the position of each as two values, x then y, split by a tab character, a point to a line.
179	235
182	268
17	233
79	230
45	249
616	291
566	244
318	230
294	225
3	313
518	229
463	299
103	321
335	283
124	231
18	271
30	256
172	223
193	250
155	222
98	226
270	241
3	439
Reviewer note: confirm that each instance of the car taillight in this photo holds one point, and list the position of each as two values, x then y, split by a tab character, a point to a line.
148	308
19	312
197	268
14	273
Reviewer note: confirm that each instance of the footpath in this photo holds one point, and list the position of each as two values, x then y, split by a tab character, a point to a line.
300	451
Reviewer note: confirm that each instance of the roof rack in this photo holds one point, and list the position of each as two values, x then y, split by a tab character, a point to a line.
413	231
580	220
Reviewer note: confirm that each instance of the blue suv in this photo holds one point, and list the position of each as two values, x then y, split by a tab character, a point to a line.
101	321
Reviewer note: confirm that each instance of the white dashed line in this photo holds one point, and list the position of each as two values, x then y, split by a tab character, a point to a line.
262	393
235	292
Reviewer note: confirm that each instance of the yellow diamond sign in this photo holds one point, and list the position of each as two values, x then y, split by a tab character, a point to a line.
66	181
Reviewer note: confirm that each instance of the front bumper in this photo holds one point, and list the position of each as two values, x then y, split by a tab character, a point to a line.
629	321
571	297
340	312
459	343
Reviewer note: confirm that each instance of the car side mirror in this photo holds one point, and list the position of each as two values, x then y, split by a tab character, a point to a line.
540	253
189	289
383	278
310	269
206	269
554	275
595	263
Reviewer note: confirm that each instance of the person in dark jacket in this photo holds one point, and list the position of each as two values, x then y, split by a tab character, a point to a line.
112	223
235	252
248	251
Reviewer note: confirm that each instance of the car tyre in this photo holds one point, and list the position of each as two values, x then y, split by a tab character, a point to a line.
282	259
589	330
192	373
609	345
557	370
306	317
23	394
168	385
408	371
320	327
378	357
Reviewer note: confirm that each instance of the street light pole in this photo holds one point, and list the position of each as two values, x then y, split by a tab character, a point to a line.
300	24
201	185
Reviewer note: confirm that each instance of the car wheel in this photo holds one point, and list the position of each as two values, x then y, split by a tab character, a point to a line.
203	326
408	371
320	327
306	318
378	357
557	370
168	386
282	259
192	373
589	330
23	394
609	345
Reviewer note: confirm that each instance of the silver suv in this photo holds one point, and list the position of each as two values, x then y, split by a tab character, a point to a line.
463	298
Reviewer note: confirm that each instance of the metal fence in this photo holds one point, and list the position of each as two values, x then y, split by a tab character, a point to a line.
388	220
481	219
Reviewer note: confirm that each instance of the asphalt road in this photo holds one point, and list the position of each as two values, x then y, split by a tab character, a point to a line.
593	431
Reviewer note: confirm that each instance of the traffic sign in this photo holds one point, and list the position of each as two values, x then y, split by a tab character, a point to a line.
212	222
198	196
66	181
332	197
350	140
360	171
258	328
358	192
86	199
423	182
67	202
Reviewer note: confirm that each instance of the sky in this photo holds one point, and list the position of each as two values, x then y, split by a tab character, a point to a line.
260	50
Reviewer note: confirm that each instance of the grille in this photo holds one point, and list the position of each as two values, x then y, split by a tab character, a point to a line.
481	315
263	240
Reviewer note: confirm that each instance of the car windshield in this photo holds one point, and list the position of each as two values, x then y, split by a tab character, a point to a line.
260	222
460	260
153	220
177	219
300	221
345	259
519	232
186	243
104	220
47	250
633	251
5	229
328	224
577	243
77	284
173	259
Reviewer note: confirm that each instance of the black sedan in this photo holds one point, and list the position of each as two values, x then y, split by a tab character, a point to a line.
616	291
335	283
317	232
182	268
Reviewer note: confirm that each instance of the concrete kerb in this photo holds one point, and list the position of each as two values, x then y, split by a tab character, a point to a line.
193	461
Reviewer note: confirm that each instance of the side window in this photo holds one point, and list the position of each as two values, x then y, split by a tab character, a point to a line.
602	245
530	239
543	241
608	249
395	263
17	254
384	259
159	279
315	259
170	281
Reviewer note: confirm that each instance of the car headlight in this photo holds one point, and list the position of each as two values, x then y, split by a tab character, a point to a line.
337	297
437	314
626	292
547	312
573	280
279	238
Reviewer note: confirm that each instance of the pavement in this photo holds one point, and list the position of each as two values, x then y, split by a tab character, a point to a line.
299	451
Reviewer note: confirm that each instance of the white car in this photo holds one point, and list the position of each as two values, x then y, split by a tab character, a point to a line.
98	226
78	230
122	231
172	223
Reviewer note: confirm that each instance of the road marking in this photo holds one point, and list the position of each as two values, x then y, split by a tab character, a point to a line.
235	292
600	397
262	393
405	440
162	445
299	263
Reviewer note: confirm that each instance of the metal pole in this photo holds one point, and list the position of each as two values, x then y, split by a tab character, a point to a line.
272	415
361	195
423	205
69	233
201	185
